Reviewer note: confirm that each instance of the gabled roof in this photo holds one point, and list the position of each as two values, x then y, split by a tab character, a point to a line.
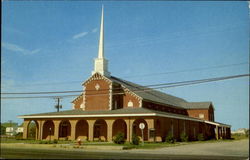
197	105
150	94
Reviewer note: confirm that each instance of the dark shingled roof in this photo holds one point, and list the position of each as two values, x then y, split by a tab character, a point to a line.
160	97
150	94
103	112
197	105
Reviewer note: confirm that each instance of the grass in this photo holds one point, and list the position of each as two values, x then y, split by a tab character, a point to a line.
147	145
238	136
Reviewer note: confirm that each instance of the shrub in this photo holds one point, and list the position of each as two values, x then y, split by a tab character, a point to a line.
119	138
247	133
170	138
135	139
184	137
200	137
55	141
19	136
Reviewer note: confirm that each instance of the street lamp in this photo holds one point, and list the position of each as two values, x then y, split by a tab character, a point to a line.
50	134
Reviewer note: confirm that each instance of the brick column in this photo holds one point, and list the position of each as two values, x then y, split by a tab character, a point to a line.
229	133
109	129
73	129
91	129
25	129
56	129
40	129
217	132
150	123
129	123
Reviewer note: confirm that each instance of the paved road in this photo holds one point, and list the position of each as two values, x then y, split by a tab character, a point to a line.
226	150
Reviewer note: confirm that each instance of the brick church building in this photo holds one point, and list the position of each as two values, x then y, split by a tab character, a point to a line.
109	105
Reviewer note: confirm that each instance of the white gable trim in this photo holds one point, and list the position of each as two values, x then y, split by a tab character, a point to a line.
93	77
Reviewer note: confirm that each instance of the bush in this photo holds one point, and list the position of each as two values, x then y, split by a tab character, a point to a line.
119	138
55	141
200	137
184	137
19	136
45	142
170	138
135	139
247	133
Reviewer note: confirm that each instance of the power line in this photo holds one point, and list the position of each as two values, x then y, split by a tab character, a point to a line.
187	70
143	75
143	89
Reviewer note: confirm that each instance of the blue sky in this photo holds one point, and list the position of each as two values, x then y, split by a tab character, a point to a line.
50	46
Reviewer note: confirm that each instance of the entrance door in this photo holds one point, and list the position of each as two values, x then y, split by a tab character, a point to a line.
97	130
64	131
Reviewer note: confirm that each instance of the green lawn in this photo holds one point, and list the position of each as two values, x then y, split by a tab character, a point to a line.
147	145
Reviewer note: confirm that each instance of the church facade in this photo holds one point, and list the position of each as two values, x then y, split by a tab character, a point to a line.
109	105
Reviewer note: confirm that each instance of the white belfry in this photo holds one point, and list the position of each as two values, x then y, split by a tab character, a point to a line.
101	64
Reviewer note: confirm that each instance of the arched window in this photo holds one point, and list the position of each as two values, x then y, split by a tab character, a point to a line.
130	103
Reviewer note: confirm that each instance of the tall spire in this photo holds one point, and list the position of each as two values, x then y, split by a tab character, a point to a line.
101	40
101	64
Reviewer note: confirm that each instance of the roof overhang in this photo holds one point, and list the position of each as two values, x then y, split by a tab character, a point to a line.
218	124
110	115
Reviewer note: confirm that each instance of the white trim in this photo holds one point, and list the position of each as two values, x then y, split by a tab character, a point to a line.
98	115
112	115
176	117
217	124
110	96
140	103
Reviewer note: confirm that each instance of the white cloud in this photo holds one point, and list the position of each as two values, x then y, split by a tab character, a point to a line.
94	30
16	48
79	35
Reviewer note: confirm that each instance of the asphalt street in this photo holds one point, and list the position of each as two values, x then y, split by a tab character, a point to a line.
222	150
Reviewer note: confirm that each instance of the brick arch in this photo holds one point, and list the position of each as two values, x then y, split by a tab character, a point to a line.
100	130
48	130
29	132
137	130
82	128
64	129
119	126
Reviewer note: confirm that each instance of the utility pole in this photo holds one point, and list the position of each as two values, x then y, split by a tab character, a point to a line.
58	106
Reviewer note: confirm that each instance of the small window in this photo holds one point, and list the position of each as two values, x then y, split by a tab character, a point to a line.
201	115
130	103
97	86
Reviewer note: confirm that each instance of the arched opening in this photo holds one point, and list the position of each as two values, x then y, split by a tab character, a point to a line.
100	130
48	130
82	130
33	130
119	126
64	130
137	130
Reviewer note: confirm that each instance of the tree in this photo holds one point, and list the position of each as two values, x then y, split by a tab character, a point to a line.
3	130
32	130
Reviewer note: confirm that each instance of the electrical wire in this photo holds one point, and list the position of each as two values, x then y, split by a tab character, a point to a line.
139	89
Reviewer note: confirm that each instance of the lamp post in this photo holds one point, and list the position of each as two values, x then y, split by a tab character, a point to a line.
49	133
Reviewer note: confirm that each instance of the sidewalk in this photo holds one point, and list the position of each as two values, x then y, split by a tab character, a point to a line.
62	146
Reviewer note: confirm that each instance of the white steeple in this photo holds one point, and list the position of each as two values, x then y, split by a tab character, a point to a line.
101	64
